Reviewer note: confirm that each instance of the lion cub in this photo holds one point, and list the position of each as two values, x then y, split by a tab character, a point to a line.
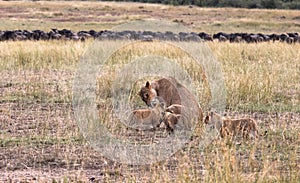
147	118
170	120
179	117
233	127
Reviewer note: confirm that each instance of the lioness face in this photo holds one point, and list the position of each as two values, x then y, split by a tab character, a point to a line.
148	94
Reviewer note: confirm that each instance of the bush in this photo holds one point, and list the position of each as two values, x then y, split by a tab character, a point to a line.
293	5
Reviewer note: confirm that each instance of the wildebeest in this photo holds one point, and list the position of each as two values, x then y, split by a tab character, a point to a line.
66	34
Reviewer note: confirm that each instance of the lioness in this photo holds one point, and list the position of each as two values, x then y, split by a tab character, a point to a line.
171	92
232	127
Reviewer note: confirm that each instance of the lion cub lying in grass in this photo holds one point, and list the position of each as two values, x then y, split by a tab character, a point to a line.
177	117
144	119
232	127
172	116
152	118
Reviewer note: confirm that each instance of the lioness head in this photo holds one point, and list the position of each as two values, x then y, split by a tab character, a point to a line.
148	94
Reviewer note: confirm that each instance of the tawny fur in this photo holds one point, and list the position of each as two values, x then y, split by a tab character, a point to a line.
178	117
147	118
172	93
233	127
165	88
170	120
175	109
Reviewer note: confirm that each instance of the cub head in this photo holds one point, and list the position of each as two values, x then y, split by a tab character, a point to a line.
213	118
148	94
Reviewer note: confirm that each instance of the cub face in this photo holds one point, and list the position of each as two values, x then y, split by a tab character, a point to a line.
148	94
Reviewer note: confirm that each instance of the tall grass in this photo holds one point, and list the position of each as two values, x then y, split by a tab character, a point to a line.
38	130
38	55
258	77
261	76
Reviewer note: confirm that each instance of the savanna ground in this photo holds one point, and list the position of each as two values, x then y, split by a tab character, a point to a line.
40	139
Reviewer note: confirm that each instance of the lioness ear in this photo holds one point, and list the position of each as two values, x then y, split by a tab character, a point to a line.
148	85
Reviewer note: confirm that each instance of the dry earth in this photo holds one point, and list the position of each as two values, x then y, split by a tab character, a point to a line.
40	140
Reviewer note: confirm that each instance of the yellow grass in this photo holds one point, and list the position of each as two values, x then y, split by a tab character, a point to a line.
261	75
39	137
258	77
81	15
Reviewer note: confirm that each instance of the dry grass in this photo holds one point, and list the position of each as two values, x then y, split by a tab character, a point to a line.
39	132
261	76
39	137
80	15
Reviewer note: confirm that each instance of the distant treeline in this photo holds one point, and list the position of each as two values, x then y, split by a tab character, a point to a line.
269	4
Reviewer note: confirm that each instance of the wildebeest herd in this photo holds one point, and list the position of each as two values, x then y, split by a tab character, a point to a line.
65	34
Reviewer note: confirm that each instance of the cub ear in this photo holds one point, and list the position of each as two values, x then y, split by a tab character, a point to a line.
148	85
206	120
